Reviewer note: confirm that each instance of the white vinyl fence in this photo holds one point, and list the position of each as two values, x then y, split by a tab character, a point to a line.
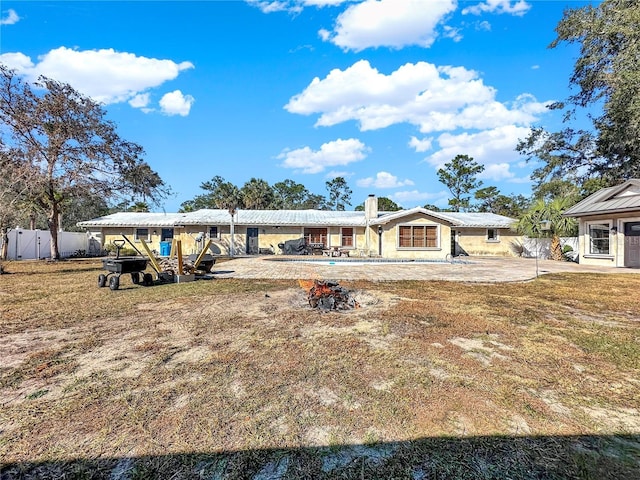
35	244
541	247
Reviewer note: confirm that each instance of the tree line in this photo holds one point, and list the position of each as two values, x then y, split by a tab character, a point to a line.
257	194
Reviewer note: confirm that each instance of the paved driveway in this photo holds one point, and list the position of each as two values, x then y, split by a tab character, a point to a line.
477	269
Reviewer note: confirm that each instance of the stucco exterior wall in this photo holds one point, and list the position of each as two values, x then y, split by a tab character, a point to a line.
474	241
268	237
615	257
391	241
110	234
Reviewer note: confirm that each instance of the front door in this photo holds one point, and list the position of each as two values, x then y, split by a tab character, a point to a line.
632	244
252	241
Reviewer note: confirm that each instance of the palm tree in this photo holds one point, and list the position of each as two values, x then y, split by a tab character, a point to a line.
227	195
256	194
545	219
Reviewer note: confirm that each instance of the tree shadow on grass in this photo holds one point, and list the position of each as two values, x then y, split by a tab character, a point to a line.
482	457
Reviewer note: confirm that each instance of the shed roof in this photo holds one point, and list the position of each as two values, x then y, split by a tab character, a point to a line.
621	198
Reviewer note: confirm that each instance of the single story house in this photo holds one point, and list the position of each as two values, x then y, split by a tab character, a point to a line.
609	226
416	233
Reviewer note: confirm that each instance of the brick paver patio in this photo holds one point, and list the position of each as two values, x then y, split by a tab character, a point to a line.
476	269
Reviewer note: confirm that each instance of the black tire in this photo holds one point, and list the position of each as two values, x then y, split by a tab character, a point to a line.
102	280
114	283
147	280
135	278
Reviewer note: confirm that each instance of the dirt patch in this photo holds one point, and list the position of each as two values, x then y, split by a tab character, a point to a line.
425	377
16	348
482	350
519	426
626	420
550	397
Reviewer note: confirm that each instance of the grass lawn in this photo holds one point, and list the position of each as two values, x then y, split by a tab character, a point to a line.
226	379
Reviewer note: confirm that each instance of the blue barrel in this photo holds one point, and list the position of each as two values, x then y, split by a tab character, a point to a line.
165	249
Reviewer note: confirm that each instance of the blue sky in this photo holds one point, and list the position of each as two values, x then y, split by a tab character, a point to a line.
381	92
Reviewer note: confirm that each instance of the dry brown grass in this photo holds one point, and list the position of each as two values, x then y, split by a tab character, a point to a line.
240	379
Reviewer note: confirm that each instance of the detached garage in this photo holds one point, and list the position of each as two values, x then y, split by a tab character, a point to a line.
609	226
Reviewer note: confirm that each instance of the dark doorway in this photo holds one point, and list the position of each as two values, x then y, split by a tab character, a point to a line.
252	241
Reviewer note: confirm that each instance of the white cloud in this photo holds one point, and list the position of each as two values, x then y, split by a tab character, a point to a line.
415	198
383	180
433	98
452	33
324	34
176	103
331	154
390	23
323	3
140	101
271	6
11	18
17	61
495	149
519	7
497	172
421	145
337	173
292	6
105	75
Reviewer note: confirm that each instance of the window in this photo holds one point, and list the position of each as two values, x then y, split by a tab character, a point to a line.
213	232
167	235
316	235
346	237
492	235
599	238
418	236
142	233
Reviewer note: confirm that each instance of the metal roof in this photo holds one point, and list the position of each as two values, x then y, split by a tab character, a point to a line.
276	217
289	217
477	219
134	219
621	198
456	219
220	216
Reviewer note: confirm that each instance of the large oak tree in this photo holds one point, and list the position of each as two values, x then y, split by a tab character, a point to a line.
602	136
68	149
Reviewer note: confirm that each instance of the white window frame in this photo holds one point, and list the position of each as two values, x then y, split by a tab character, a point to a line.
589	243
412	225
137	238
496	239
